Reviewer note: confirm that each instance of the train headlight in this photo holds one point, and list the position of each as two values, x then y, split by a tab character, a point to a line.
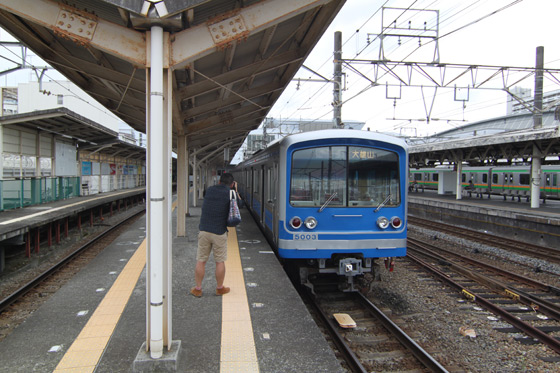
382	222
310	222
295	222
396	222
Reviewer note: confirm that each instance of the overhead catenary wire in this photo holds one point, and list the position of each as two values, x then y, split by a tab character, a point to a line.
307	102
30	65
457	29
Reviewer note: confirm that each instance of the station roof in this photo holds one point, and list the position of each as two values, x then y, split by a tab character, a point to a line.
476	150
229	59
88	135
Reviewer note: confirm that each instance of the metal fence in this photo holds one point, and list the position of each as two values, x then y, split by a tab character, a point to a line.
27	192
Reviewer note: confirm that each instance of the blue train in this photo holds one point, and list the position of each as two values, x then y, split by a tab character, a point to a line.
330	201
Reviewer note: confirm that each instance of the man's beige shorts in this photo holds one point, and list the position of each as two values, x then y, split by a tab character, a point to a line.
209	241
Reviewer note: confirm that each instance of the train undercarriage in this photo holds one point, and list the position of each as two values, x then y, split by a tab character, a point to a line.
347	273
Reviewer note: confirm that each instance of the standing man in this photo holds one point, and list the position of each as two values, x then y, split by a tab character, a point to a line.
213	233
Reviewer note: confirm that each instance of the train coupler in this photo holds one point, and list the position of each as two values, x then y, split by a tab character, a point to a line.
350	267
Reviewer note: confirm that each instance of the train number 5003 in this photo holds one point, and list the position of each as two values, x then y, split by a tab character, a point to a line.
303	237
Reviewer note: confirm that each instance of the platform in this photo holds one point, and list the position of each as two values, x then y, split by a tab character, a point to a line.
510	218
285	337
19	221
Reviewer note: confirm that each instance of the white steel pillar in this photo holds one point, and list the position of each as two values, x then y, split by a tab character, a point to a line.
195	183
182	185
188	164
158	270
202	165
168	237
459	180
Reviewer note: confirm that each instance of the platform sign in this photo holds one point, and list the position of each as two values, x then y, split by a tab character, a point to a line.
86	168
113	168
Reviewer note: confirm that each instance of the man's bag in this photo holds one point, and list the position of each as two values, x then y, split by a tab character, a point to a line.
234	217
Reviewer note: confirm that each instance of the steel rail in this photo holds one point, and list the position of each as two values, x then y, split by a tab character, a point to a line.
425	358
10	299
548	308
526	280
349	356
551	342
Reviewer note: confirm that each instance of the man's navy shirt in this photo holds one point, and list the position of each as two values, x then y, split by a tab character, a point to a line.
215	209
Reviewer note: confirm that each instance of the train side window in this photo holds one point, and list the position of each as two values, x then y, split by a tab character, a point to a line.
247	179
555	180
268	195
274	181
524	179
417	177
494	178
435	177
258	181
463	177
485	178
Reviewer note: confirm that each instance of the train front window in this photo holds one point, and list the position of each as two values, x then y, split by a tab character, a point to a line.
348	176
373	175
317	175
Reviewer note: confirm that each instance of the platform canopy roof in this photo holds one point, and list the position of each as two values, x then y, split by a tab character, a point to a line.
231	59
87	134
511	146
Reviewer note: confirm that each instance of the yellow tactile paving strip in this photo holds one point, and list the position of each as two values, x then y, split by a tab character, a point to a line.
84	354
238	352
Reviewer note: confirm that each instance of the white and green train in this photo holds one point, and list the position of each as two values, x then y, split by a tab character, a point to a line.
507	181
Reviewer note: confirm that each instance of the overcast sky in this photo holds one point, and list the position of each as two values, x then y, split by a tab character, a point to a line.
484	32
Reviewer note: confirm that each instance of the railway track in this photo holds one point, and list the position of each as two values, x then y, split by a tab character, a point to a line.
536	251
529	306
15	306
376	343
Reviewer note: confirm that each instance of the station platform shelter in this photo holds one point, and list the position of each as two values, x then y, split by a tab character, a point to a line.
56	154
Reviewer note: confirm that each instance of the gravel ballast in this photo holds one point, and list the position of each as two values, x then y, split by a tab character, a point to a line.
440	319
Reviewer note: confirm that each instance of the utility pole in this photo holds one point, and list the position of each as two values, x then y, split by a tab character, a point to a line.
538	100
337	89
537	124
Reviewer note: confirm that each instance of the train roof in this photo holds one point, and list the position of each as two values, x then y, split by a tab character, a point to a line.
342	133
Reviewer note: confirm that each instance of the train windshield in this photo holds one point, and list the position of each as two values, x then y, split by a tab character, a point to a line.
345	176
